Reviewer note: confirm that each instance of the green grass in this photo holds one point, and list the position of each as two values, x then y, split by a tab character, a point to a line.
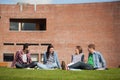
24	74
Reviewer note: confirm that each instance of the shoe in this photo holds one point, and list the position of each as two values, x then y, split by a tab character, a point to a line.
63	65
30	68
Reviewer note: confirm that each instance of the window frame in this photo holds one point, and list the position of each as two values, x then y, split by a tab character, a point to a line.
39	22
8	54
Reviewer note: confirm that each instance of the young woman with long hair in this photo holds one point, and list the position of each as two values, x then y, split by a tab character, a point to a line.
50	59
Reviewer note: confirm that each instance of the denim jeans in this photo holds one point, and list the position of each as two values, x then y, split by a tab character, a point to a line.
31	65
47	66
81	65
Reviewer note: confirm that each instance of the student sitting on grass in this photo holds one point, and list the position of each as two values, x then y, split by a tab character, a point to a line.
23	58
50	59
78	56
95	60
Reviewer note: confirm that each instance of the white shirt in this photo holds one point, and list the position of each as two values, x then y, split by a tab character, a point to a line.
24	58
77	58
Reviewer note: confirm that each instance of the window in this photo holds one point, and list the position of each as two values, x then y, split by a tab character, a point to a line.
28	24
7	57
45	44
34	57
30	44
41	57
14	26
8	43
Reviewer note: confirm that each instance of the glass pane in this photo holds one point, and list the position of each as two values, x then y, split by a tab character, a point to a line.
28	26
34	57
8	57
14	25
42	26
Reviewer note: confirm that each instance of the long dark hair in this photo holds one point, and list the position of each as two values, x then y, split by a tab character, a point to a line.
80	49
48	50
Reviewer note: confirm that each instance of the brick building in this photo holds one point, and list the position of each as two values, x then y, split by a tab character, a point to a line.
64	25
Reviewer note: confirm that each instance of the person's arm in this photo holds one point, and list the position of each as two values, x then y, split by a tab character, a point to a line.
15	59
72	58
82	58
44	58
102	60
57	61
29	58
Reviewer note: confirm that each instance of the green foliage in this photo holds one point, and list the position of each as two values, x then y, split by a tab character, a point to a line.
24	74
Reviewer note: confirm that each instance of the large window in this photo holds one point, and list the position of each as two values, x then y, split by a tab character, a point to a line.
7	57
28	24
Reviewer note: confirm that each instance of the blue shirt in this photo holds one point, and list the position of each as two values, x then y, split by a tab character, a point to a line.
99	61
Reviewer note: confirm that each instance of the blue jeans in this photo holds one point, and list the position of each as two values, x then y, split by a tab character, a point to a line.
30	65
81	65
47	66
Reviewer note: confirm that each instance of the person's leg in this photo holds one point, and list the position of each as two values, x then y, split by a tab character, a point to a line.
81	65
25	65
32	65
42	66
88	67
52	66
18	65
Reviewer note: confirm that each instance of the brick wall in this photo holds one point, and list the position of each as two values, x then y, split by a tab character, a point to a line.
68	25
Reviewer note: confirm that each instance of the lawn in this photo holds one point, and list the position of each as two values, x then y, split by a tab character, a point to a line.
24	74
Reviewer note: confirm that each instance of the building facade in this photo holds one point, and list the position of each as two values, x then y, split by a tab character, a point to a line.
63	25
